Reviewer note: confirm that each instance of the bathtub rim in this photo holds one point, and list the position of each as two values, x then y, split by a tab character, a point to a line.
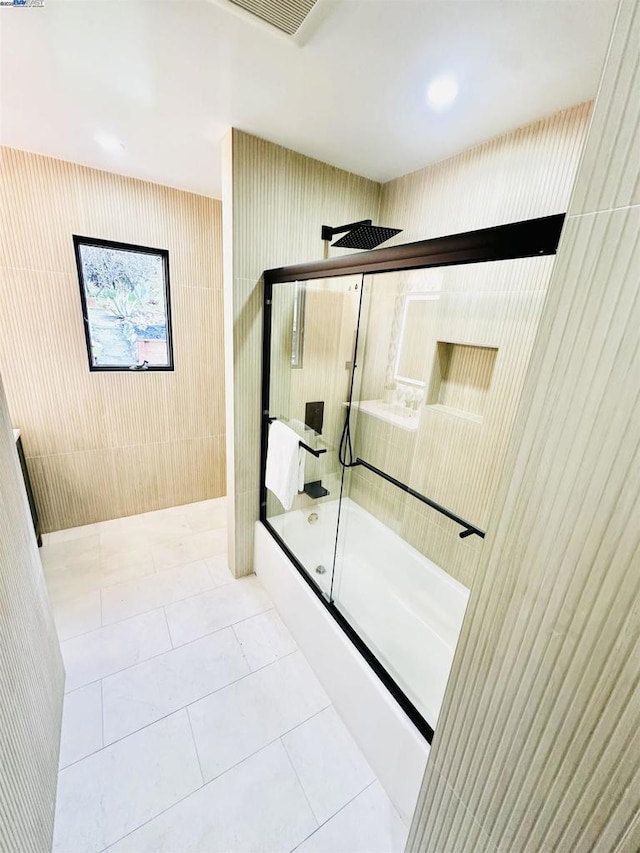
379	670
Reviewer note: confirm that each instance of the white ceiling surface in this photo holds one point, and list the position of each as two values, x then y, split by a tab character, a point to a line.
169	78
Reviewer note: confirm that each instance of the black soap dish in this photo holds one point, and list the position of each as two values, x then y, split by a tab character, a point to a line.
315	489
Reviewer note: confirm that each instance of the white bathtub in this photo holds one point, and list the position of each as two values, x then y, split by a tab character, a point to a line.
406	608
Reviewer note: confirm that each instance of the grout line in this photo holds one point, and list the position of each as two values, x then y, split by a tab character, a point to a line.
112	447
578	214
166	620
188	705
195	745
161	606
102	710
293	767
149	820
151	609
220	776
235	634
331	817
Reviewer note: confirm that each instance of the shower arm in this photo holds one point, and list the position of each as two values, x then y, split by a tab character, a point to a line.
328	232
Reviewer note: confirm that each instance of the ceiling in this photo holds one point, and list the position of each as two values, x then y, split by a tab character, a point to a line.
168	79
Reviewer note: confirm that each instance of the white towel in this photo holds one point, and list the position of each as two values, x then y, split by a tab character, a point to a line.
285	463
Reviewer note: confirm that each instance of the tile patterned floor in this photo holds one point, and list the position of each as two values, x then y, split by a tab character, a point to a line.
191	720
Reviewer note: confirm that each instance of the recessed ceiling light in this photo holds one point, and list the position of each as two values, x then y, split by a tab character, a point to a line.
442	92
108	142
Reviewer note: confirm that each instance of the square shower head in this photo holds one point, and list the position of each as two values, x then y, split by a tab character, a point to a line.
366	237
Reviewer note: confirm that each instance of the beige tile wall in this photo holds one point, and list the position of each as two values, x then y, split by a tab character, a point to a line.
453	459
521	175
537	744
102	445
275	203
31	670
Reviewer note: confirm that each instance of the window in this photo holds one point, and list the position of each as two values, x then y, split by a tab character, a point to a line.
125	304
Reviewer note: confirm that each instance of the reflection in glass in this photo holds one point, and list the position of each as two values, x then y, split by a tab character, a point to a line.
430	397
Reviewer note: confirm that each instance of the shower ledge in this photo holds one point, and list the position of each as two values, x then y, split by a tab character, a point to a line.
392	413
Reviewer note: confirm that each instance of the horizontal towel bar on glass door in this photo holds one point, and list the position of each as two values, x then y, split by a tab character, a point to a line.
469	529
306	447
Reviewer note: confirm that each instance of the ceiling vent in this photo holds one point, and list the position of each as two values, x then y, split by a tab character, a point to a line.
285	15
294	20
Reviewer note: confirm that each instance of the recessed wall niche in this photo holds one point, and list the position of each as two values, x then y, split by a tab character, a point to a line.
461	379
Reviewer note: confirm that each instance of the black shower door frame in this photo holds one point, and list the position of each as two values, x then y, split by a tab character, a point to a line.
526	239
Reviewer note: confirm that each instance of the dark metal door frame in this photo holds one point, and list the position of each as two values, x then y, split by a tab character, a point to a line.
525	239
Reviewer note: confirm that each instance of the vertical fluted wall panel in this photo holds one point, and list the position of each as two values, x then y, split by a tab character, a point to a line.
521	175
277	201
101	445
456	454
31	671
538	737
608	182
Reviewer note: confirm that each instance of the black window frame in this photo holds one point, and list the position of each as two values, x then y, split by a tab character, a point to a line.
79	241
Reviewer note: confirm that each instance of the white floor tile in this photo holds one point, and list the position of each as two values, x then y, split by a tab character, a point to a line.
270	747
202	614
144	693
127	538
233	723
176	551
264	639
368	824
71	568
74	616
166	522
113	648
206	515
107	795
79	553
257	806
128	599
219	570
81	724
122	566
64	587
71	533
328	762
96	570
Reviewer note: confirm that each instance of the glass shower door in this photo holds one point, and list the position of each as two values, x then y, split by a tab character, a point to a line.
313	328
443	355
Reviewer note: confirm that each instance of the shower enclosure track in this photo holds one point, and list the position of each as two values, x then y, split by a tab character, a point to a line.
526	239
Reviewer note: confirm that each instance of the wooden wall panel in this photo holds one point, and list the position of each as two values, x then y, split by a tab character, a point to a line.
276	202
538	738
31	670
103	445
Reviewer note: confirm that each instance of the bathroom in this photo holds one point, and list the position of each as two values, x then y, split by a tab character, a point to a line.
408	623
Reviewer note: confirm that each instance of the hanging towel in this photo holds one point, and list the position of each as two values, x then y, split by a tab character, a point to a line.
285	463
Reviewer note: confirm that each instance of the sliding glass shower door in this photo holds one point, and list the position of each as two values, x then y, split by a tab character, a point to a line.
313	330
443	356
396	391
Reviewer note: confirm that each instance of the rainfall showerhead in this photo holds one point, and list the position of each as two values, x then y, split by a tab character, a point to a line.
360	235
